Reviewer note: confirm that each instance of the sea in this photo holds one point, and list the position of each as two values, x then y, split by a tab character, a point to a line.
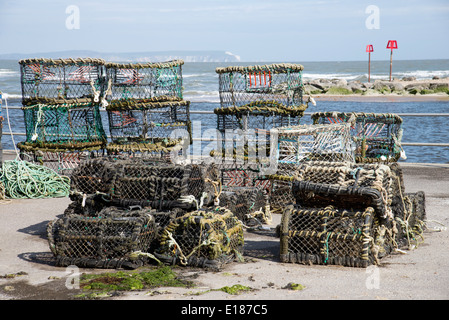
200	82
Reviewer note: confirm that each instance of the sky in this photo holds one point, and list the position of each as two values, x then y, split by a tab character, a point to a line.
255	30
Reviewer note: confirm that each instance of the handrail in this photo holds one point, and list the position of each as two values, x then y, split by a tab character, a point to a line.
418	144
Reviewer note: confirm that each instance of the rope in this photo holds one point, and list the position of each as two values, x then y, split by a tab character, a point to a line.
23	179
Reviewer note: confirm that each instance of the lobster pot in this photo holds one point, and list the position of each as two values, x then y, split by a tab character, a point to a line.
112	239
330	236
298	144
255	99
410	218
62	161
245	131
303	144
280	193
149	127
241	86
141	81
250	205
134	180
61	80
377	136
235	176
207	238
344	185
73	126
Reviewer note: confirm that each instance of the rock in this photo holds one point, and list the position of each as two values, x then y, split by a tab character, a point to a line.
308	88
435	77
408	78
439	85
356	86
368	85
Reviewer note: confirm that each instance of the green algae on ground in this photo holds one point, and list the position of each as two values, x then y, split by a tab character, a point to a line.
99	285
235	289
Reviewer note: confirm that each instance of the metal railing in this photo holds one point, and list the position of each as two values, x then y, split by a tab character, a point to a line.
418	144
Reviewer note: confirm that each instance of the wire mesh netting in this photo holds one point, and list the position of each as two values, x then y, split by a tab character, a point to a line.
69	126
141	81
61	161
240	86
206	238
58	81
333	236
253	100
147	115
113	238
159	183
149	126
377	135
250	205
303	144
345	185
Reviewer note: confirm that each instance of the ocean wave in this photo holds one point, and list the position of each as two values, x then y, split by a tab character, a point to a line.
11	95
197	75
423	74
201	96
8	73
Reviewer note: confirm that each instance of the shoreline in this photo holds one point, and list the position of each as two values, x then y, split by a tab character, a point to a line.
381	98
407	89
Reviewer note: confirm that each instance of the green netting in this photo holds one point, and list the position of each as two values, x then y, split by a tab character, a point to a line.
64	126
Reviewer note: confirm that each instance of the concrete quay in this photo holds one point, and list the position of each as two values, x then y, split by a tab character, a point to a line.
419	274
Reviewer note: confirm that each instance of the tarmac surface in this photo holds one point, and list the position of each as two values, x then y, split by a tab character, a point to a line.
27	270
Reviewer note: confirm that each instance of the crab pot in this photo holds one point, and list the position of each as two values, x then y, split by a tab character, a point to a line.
254	100
158	182
250	205
141	81
330	236
345	185
150	126
303	143
62	161
241	86
207	238
377	136
110	239
64	126
56	81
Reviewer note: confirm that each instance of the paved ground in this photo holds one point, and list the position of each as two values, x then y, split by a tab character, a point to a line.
422	273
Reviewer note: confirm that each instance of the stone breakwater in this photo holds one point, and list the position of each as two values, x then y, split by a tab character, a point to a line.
407	86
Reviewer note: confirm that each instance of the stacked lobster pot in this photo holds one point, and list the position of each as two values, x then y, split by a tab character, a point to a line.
254	100
377	138
170	209
60	101
343	211
146	110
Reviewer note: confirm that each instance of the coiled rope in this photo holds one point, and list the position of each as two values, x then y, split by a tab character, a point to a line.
23	179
